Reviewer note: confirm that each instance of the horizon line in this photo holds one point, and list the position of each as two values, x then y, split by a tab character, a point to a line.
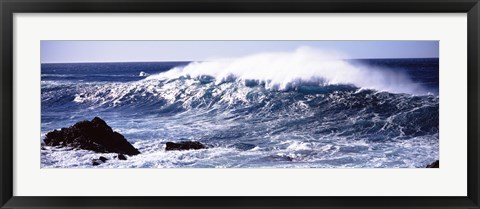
153	61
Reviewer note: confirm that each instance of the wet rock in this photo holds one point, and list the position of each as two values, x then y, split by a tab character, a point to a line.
187	145
435	164
96	162
103	159
121	157
277	158
93	135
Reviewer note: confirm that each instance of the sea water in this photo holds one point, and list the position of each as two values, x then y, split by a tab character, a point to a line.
257	112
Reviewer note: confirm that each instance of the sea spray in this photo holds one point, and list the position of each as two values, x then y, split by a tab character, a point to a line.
281	70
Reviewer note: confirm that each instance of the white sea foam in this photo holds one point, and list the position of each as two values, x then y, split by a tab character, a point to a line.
277	71
339	154
282	69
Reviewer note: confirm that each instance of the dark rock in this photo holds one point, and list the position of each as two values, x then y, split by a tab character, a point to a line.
187	145
435	164
93	135
278	158
103	159
244	146
122	157
96	162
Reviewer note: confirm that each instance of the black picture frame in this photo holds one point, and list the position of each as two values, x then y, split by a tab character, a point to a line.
9	7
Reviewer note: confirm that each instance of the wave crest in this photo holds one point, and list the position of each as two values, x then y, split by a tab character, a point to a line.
280	71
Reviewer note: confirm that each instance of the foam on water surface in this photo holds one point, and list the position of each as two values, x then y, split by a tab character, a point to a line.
306	108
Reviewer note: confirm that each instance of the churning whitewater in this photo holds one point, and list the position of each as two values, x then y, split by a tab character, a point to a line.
303	109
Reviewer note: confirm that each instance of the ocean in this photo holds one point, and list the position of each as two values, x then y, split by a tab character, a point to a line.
359	113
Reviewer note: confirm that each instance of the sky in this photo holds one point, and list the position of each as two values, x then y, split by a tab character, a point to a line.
138	51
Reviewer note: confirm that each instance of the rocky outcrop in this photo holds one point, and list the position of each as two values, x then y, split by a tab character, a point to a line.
94	135
121	157
96	162
99	161
103	159
435	164
187	145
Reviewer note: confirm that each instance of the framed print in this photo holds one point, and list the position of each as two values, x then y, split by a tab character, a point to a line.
365	111
267	104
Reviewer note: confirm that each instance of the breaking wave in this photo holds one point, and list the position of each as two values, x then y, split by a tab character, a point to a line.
281	71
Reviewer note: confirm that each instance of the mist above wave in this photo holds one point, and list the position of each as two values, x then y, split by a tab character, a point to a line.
281	70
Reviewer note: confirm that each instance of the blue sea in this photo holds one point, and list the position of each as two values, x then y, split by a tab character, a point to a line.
359	113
